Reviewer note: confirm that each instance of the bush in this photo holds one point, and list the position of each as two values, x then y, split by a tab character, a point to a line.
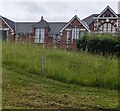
101	44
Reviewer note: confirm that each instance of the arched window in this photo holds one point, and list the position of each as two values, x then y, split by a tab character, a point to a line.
107	27
113	29
100	29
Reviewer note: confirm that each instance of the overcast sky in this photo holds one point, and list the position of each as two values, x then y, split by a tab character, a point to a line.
29	10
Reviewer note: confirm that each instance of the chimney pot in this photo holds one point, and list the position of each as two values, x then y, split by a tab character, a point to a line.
41	17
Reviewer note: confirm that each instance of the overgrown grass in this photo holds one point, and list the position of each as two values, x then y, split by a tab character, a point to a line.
78	68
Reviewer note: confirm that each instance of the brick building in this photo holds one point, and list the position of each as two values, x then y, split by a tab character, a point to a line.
105	22
60	34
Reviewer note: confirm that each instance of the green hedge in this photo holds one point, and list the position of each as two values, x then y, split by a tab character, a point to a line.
101	44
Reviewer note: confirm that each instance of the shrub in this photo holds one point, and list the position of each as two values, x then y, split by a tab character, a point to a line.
101	44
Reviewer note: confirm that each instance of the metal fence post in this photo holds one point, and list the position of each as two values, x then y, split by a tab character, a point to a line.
43	64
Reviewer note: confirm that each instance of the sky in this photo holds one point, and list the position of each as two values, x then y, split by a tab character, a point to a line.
51	10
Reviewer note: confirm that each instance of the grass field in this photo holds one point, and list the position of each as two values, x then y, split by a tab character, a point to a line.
71	80
22	90
78	68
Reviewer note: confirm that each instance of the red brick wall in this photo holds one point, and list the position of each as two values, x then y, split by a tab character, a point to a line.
91	26
63	41
31	38
49	41
46	36
33	31
10	34
72	45
23	38
26	38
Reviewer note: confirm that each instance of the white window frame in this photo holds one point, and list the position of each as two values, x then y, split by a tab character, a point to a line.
58	40
55	38
107	27
39	35
68	37
75	33
0	27
113	29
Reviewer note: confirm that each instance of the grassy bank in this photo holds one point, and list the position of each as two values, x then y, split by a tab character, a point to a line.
22	90
78	68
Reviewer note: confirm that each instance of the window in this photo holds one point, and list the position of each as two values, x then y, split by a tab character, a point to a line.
107	27
58	39
55	38
68	36
40	35
0	27
75	33
113	29
100	29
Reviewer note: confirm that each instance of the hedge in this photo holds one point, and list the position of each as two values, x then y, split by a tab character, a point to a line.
99	43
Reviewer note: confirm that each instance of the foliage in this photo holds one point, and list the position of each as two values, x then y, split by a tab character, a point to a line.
101	44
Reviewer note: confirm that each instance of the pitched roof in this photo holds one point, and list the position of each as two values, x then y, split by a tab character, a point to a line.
85	25
10	23
108	8
118	15
55	27
41	24
24	27
88	20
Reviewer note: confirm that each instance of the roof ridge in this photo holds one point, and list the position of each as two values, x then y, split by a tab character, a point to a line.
105	9
57	22
25	22
7	19
10	23
89	16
